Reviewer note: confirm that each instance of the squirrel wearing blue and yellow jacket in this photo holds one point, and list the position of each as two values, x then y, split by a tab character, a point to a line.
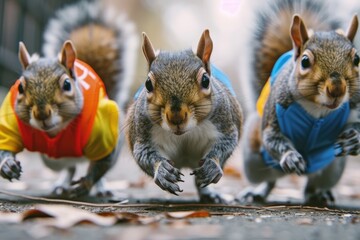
60	107
308	111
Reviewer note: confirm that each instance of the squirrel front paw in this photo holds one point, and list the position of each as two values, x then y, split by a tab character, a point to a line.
166	177
209	172
10	168
348	143
292	162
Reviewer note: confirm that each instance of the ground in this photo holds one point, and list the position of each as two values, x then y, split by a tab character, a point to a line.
283	217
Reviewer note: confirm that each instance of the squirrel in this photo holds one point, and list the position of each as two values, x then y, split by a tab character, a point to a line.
61	108
307	119
185	116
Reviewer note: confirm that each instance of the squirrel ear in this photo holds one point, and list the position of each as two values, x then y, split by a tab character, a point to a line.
148	49
299	34
351	32
68	55
204	49
24	56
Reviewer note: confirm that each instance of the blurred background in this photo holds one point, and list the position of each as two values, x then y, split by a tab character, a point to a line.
171	25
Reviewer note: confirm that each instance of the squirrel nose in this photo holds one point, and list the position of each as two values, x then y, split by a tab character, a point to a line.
176	111
176	118
41	113
335	86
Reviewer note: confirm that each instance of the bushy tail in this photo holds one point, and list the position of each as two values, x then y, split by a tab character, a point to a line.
272	37
103	38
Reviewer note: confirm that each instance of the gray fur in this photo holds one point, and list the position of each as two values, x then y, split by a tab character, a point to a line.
205	148
331	53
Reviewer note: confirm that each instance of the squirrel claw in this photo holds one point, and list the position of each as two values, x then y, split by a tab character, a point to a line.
292	162
79	188
167	176
209	172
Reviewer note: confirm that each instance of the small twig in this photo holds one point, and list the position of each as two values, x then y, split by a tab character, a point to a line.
325	209
173	206
58	200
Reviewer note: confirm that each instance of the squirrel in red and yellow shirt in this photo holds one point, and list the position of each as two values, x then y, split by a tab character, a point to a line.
59	107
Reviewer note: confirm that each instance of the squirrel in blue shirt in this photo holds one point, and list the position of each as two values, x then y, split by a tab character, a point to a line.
311	119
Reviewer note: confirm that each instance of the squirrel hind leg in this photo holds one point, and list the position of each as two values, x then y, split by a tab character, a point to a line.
63	182
318	188
209	195
255	168
99	189
322	198
257	194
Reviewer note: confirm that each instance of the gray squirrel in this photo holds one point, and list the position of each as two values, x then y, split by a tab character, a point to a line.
308	111
183	117
60	106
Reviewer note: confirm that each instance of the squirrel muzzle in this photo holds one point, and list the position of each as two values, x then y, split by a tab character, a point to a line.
41	113
43	118
335	89
335	86
177	118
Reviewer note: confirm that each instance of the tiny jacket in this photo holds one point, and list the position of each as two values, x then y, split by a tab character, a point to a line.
313	138
93	133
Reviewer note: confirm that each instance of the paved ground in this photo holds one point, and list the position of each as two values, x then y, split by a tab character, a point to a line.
282	218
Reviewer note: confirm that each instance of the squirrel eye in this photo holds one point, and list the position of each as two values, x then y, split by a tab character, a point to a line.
148	85
21	88
356	60
305	62
205	81
66	85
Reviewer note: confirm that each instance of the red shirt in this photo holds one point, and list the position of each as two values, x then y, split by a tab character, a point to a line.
71	141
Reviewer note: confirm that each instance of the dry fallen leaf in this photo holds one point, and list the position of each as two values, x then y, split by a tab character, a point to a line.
9	217
355	220
127	217
188	214
305	221
140	183
232	172
64	216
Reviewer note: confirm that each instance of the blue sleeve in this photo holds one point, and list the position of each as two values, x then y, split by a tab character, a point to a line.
216	73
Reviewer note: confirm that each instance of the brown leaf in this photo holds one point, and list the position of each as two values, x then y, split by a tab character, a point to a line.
179	223
305	221
127	217
9	217
63	216
188	214
34	213
232	172
140	183
355	220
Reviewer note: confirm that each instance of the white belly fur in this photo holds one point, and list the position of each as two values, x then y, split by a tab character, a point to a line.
188	149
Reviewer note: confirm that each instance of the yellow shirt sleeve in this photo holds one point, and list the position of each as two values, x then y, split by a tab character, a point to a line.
10	138
104	135
264	95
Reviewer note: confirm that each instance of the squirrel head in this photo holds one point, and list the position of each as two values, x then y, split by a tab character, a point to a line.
326	64
178	85
48	95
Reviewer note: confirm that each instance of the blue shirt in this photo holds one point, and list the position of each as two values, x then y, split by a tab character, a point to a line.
313	138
